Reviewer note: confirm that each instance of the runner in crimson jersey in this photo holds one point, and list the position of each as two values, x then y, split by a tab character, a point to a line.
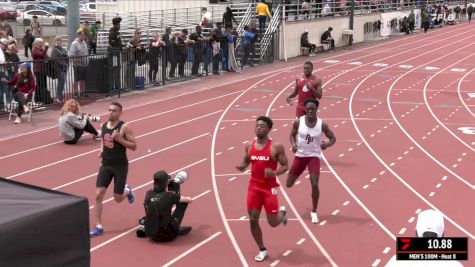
307	87
307	143
264	154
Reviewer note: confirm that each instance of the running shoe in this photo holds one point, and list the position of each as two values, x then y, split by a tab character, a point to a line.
96	232
130	195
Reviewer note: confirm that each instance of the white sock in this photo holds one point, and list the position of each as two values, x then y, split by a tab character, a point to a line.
99	226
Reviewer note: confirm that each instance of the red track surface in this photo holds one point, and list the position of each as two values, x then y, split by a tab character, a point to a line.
398	151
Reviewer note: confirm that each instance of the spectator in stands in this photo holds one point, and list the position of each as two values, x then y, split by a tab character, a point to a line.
181	50
305	43
169	40
405	25
327	38
215	49
93	37
254	40
134	52
27	41
246	44
39	54
262	10
36	29
85	29
24	83
154	49
457	11
78	52
412	20
231	36
206	19
5	28
73	123
228	18
11	68
113	54
60	64
469	12
2	74
425	18
197	36
306	9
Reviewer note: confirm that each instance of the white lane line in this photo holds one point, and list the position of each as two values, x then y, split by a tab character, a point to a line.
374	179
365	186
386	250
300	242
232	179
195	247
322	223
431	194
438	185
411	219
402	231
274	263
375	263
335	212
346	203
219	153
230	148
286	253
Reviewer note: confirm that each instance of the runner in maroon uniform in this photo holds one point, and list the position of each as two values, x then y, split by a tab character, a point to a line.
307	87
263	154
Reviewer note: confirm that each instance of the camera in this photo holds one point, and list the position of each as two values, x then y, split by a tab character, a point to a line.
92	118
180	177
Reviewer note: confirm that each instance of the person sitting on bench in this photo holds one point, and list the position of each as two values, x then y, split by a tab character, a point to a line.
327	38
305	43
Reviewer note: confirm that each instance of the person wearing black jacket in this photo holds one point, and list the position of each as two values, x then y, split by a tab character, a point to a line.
305	43
160	223
198	38
113	54
228	18
154	47
327	38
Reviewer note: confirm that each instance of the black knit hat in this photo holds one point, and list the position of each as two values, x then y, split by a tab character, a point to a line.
160	180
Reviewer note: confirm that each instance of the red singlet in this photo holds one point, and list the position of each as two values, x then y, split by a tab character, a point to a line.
260	160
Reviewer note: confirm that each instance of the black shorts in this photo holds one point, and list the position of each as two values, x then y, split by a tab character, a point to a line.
119	173
79	73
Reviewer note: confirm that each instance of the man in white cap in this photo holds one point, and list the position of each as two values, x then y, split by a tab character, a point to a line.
305	43
430	223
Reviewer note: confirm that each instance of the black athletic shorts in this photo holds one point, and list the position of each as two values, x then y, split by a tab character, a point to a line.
119	173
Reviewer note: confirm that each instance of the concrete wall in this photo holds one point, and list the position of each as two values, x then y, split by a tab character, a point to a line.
290	32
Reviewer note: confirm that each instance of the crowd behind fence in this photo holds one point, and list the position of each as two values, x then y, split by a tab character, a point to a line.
118	71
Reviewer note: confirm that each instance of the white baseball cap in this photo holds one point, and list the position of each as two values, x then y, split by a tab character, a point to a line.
430	221
306	30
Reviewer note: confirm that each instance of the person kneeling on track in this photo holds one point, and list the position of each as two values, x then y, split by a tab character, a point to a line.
160	223
72	124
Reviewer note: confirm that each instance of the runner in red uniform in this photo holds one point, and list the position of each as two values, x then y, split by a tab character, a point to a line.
307	87
263	154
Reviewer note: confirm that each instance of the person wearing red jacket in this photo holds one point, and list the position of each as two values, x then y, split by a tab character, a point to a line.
25	84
